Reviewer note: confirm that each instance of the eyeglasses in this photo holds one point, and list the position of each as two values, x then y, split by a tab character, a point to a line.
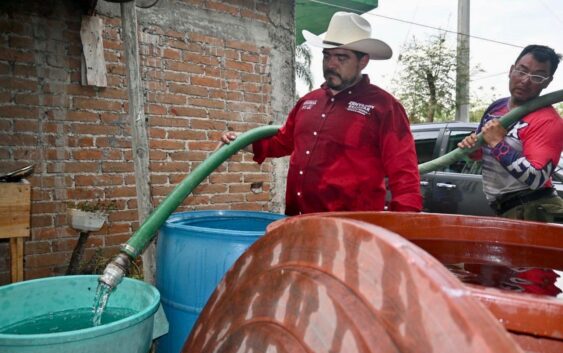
534	78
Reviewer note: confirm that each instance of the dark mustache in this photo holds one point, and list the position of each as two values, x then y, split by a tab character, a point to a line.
327	72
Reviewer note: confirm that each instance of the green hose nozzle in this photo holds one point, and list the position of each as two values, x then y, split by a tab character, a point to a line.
146	232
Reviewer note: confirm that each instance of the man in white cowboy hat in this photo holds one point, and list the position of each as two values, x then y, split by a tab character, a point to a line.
347	136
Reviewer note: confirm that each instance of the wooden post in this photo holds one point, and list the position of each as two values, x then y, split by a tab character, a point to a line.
138	126
15	206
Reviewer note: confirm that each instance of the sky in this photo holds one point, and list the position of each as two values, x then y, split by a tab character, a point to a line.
499	30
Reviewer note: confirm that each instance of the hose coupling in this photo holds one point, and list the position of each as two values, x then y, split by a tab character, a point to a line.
115	271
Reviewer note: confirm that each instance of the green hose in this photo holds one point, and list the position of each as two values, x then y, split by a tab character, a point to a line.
144	235
508	119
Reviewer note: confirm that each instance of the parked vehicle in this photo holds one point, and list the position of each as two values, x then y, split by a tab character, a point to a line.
456	188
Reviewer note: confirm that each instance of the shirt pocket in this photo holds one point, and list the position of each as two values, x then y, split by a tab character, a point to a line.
355	132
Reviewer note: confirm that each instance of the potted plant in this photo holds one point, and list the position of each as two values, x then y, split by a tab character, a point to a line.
89	216
86	217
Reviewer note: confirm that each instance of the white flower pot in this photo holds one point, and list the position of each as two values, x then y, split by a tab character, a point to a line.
87	221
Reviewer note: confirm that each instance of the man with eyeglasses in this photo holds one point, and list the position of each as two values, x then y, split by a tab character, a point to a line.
518	163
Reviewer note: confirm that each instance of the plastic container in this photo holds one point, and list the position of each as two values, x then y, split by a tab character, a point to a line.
194	250
28	299
534	321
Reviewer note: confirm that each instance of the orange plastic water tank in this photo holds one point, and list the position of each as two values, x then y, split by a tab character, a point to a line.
330	283
534	321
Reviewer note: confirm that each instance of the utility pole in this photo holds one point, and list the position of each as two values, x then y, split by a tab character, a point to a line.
462	72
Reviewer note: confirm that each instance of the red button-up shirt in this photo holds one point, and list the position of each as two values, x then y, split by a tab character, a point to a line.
342	147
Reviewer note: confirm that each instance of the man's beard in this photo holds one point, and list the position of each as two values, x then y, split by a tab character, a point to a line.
343	83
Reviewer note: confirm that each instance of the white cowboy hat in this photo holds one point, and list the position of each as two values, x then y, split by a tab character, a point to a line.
350	31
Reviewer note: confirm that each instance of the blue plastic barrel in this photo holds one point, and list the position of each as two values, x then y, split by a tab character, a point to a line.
194	250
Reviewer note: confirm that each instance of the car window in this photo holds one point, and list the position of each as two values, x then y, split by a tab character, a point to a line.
425	143
465	165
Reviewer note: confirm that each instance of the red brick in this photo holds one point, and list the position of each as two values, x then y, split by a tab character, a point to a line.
81	167
254	15
183	67
117	167
175	76
79	90
120	192
185	135
37	247
41	221
213	72
197	58
224	115
113	141
178	43
254	58
217	178
116	69
249	77
6	97
16	55
189	111
155	109
233	96
117	240
48	259
220	7
249	47
167	98
18	84
114	93
90	129
200	102
227	198
248	87
166	144
87	155
211	189
96	104
189	89
47	207
201	124
239	66
169	53
203	145
26	125
197	37
19	140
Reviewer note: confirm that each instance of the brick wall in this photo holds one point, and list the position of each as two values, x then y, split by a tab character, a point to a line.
198	83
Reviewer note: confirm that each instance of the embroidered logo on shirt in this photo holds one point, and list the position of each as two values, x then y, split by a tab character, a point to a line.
308	104
360	108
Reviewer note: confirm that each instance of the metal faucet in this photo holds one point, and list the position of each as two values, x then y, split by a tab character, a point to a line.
115	271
